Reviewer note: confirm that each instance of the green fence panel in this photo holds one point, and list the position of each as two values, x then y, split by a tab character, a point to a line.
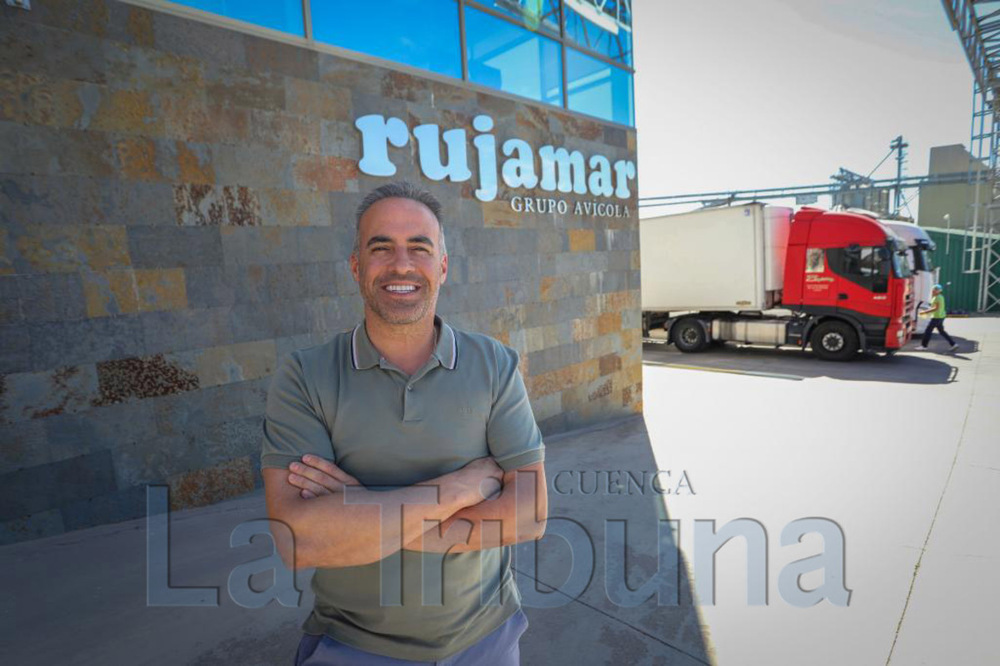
961	289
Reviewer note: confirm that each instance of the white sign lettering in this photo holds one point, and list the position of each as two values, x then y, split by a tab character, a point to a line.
547	205
561	170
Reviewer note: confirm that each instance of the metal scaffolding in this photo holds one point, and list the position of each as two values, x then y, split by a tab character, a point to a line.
845	182
977	23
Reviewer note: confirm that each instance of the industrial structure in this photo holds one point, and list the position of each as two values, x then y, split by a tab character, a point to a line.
848	189
942	213
977	23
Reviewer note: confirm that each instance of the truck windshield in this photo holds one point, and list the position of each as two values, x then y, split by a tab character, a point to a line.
924	258
900	266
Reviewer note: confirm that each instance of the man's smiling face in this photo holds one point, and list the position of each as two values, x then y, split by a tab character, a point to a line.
399	264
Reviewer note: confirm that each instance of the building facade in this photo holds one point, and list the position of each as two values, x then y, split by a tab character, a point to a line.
177	196
946	213
948	205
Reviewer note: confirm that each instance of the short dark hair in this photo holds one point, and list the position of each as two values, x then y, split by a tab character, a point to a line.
400	189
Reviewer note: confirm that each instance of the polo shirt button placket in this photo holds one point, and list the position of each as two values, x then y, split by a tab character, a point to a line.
411	404
410	410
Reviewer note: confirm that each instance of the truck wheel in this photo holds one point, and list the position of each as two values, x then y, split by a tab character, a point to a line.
689	336
835	341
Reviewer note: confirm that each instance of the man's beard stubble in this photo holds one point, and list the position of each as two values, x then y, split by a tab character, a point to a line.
398	314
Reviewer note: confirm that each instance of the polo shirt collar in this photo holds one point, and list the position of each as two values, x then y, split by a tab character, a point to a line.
365	356
446	350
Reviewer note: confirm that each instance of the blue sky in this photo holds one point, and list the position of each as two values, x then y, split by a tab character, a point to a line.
766	93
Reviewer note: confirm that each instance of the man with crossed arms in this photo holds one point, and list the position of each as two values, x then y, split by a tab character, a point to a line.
379	449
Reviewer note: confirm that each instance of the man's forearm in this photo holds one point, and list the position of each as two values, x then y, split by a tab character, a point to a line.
486	525
513	517
337	522
362	526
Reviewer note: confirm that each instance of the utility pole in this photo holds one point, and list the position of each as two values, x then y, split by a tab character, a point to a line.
900	147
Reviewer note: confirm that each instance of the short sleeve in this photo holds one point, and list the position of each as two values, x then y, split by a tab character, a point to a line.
292	427
512	435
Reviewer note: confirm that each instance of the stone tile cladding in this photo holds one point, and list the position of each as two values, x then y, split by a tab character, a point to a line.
177	209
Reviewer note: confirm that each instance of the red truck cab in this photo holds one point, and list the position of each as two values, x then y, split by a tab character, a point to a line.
847	267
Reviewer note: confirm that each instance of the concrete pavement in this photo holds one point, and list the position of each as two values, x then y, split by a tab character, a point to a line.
903	453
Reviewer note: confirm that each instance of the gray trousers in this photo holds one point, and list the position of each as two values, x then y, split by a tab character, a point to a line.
499	648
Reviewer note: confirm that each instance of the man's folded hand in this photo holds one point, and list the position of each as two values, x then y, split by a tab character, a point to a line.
316	476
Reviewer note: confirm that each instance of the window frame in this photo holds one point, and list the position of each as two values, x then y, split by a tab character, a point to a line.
463	65
584	48
580	57
565	44
307	41
535	34
564	41
849	264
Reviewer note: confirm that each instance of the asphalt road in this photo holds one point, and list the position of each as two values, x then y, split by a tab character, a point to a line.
900	455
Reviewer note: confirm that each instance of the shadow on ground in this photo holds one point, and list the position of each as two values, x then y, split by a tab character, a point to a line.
910	366
590	586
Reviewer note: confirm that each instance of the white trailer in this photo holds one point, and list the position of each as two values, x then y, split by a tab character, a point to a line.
721	259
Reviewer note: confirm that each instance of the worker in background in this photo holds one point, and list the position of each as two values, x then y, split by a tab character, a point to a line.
937	312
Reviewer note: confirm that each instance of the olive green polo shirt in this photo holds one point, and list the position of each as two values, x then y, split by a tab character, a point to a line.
343	401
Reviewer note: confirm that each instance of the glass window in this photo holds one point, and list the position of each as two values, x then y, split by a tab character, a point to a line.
601	26
864	261
284	15
814	260
512	59
421	33
598	89
536	14
875	262
927	259
900	267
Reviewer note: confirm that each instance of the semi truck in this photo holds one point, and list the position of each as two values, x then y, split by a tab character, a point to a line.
919	254
835	281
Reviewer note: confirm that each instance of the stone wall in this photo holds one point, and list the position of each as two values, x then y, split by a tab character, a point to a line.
177	211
